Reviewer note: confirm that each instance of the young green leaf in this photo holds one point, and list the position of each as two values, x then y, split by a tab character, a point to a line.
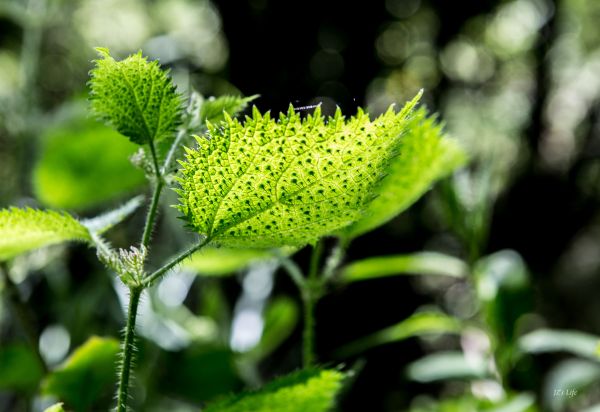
548	340
213	109
135	96
267	183
426	263
419	324
88	373
426	155
309	390
22	230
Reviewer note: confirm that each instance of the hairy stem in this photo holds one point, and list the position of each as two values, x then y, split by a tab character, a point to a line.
310	294
148	280
152	212
23	314
128	348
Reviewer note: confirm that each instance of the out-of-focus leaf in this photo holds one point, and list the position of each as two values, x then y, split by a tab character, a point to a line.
281	317
503	269
57	407
419	324
523	402
198	373
422	263
86	375
19	368
570	377
105	221
446	365
211	261
426	155
212	109
549	340
84	163
135	96
22	230
309	390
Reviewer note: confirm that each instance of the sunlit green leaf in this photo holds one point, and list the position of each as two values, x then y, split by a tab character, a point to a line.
20	369
422	263
82	164
426	155
549	340
267	183
419	324
57	407
308	390
86	375
224	261
446	365
135	96
22	230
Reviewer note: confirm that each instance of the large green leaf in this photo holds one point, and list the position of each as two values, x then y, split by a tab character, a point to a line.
86	375
309	390
22	230
84	163
135	96
20	369
426	155
267	183
419	324
421	263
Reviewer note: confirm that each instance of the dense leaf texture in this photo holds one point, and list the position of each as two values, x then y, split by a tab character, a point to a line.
267	183
135	96
309	390
426	155
22	230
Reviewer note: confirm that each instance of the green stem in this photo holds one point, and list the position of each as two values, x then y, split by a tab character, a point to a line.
311	293
23	314
171	155
128	348
148	280
152	212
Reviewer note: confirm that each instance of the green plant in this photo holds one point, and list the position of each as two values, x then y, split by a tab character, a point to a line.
275	185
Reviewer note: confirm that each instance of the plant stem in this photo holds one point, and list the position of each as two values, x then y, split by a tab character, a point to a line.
148	280
128	348
151	216
311	292
171	155
23	314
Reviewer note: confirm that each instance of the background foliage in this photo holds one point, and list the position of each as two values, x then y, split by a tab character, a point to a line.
517	82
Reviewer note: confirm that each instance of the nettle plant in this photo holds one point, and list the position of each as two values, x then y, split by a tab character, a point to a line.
273	184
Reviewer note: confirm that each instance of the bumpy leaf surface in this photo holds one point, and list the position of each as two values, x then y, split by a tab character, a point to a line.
22	230
268	183
135	96
426	155
309	390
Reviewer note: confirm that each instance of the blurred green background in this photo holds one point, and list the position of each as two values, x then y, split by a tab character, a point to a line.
517	82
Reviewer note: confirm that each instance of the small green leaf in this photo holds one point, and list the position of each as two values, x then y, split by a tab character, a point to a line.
223	261
426	155
446	365
418	324
309	390
57	407
20	369
82	164
422	263
86	375
213	109
135	96
267	183
549	340
22	230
